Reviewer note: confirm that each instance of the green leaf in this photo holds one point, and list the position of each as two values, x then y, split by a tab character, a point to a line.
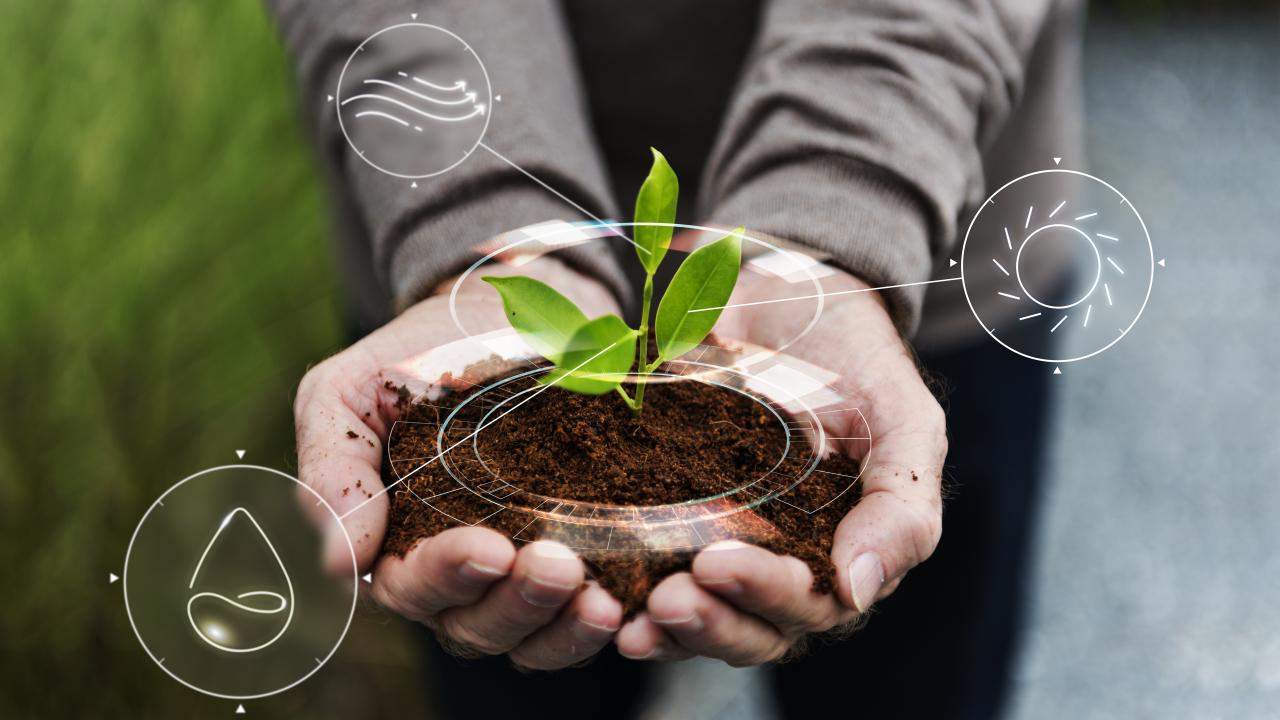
705	280
543	317
656	203
597	358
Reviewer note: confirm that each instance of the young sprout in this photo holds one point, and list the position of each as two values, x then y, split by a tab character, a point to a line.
595	356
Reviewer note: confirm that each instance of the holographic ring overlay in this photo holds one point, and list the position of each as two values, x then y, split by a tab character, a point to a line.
1097	256
320	501
658	527
608	513
1124	201
488	86
591	230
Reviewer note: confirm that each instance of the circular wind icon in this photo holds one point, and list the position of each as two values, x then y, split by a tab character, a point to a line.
413	100
1056	251
242	623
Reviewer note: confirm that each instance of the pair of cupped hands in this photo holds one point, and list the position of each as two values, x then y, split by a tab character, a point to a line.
739	603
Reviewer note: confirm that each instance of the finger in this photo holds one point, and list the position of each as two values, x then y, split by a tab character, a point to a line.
452	569
706	625
897	523
585	626
642	639
545	576
775	588
342	469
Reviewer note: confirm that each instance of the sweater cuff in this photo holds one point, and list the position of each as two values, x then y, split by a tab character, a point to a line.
442	245
869	222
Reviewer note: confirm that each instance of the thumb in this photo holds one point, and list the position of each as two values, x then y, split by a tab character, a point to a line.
339	457
896	524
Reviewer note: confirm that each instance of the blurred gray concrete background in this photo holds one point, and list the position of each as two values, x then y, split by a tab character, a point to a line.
1157	591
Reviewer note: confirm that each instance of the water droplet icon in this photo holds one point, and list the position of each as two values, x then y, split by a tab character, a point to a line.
247	621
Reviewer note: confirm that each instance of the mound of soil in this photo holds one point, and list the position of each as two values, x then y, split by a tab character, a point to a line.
692	441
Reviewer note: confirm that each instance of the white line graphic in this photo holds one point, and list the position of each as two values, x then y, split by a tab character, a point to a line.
469	97
282	602
997	262
378	113
557	193
458	85
473	433
823	295
477	110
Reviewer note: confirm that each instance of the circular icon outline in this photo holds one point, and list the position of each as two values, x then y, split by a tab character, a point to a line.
1097	256
488	86
355	579
1151	265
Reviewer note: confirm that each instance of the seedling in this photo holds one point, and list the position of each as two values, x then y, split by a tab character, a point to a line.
595	356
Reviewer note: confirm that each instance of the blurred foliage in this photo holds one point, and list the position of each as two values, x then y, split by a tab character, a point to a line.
165	281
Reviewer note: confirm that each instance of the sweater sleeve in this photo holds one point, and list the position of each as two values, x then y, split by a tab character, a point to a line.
859	125
420	236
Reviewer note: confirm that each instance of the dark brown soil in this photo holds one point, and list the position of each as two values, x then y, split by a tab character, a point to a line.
692	441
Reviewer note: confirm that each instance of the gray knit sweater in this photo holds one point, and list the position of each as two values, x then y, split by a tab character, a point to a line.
866	129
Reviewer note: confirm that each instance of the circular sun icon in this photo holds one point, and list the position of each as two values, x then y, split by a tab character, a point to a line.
1057	250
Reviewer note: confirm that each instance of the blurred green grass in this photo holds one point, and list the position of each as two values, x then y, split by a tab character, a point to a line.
165	280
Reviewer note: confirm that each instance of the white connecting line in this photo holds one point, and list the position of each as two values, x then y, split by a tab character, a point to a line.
560	195
824	295
473	433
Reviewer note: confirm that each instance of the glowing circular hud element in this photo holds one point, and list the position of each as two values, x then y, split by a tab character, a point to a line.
224	586
793	267
1056	251
413	100
443	466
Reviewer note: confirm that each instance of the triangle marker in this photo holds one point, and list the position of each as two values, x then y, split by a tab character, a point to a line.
413	184
1161	263
952	263
112	577
1057	371
240	709
367	577
1057	161
240	454
413	15
497	98
330	98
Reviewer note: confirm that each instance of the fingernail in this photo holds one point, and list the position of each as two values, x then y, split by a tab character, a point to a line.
587	631
540	593
724	586
552	550
866	576
725	545
474	573
645	656
691	624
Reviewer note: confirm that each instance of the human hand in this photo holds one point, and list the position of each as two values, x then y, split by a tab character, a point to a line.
746	605
469	584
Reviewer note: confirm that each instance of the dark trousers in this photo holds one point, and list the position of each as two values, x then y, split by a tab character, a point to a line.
941	647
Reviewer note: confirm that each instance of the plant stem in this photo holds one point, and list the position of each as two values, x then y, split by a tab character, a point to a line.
642	351
627	399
